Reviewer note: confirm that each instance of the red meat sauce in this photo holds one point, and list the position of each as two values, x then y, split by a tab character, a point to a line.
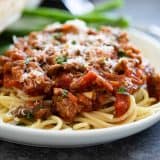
76	69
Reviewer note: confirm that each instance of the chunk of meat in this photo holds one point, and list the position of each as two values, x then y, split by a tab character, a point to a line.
23	112
33	110
16	55
101	82
104	99
65	104
122	104
42	113
84	81
88	79
153	86
37	85
64	81
4	59
68	28
9	82
53	69
85	103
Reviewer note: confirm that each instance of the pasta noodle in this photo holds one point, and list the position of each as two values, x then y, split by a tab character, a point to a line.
140	107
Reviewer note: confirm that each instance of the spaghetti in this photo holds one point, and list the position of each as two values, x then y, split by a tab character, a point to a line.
103	118
71	77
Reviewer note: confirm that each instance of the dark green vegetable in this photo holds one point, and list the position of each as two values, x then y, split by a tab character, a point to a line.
64	93
29	116
73	42
121	53
107	6
122	90
105	20
61	59
54	14
61	15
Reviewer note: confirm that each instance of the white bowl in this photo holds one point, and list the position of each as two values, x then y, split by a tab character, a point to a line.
49	138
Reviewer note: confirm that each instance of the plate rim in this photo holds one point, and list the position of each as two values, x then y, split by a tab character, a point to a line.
142	124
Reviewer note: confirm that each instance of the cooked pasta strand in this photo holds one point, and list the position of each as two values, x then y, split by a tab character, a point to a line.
140	108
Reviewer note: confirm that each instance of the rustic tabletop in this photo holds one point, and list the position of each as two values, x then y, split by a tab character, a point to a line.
143	146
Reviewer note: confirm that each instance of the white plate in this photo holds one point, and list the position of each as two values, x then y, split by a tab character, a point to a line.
49	138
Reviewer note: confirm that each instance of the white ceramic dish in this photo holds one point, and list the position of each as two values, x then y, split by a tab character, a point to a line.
49	138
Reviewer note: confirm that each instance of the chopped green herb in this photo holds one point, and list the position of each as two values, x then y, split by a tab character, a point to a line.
61	59
57	35
29	116
64	93
122	90
121	53
73	42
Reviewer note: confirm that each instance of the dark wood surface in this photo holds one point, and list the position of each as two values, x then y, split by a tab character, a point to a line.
142	146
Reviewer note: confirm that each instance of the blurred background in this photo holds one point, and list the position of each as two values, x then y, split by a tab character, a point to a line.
143	12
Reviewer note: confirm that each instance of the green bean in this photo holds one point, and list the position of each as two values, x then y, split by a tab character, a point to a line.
106	20
59	15
107	6
55	14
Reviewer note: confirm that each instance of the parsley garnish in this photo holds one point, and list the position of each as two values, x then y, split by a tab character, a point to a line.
61	59
122	90
57	35
73	42
64	93
29	115
121	53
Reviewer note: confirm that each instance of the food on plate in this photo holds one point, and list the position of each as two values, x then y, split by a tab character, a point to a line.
71	76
